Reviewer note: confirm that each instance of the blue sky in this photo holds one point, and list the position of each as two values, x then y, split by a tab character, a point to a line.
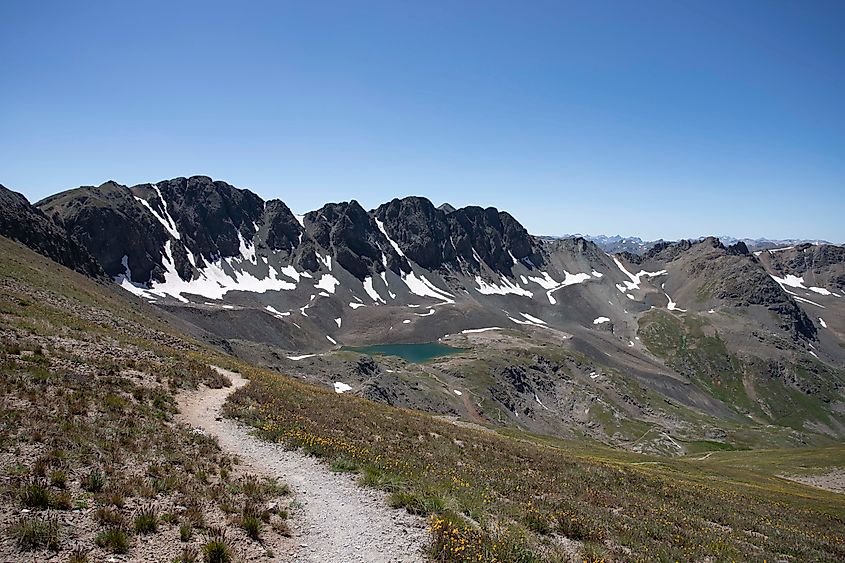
650	118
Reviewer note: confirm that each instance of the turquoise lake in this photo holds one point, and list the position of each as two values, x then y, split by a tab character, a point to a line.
414	353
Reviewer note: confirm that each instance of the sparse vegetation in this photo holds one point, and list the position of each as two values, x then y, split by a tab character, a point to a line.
188	555
251	524
98	387
146	521
35	532
94	481
109	517
186	532
507	497
78	555
113	539
344	465
35	495
86	422
216	549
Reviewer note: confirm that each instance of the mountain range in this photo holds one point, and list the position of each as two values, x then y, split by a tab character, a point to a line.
643	346
636	245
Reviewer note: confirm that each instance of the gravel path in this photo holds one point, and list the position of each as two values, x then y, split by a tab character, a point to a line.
832	481
339	521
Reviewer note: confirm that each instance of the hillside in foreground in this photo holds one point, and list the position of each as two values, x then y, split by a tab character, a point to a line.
90	445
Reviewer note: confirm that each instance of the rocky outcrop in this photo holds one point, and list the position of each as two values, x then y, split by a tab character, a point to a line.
284	233
202	219
734	276
22	222
352	236
821	265
459	240
212	217
112	224
420	230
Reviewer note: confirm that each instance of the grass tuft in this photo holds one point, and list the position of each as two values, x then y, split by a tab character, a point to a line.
216	549
113	539
31	533
35	495
146	521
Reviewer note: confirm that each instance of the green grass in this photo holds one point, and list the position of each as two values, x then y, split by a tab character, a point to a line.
114	540
519	489
789	393
699	446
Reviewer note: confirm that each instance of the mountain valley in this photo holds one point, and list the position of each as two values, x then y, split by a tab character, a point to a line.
682	351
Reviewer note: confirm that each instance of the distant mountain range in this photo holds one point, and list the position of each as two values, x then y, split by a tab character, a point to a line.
602	337
636	245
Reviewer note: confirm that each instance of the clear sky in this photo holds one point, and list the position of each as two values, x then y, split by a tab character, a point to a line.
651	118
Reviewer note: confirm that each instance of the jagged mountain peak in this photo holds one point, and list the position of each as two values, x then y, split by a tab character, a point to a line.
195	238
25	223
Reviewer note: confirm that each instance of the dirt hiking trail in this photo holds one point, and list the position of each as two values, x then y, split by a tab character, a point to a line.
338	521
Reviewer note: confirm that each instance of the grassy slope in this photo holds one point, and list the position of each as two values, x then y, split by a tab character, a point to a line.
86	422
490	496
502	496
796	396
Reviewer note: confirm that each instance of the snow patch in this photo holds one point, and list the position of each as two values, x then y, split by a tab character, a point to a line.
477	330
600	320
419	285
820	290
672	306
384	279
791	281
217	279
395	246
166	220
371	291
456	392
328	283
277	313
302	357
338	321
247	249
326	260
636	279
530	320
330	339
340	387
551	285
356	305
821	322
506	287
290	272
533	319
